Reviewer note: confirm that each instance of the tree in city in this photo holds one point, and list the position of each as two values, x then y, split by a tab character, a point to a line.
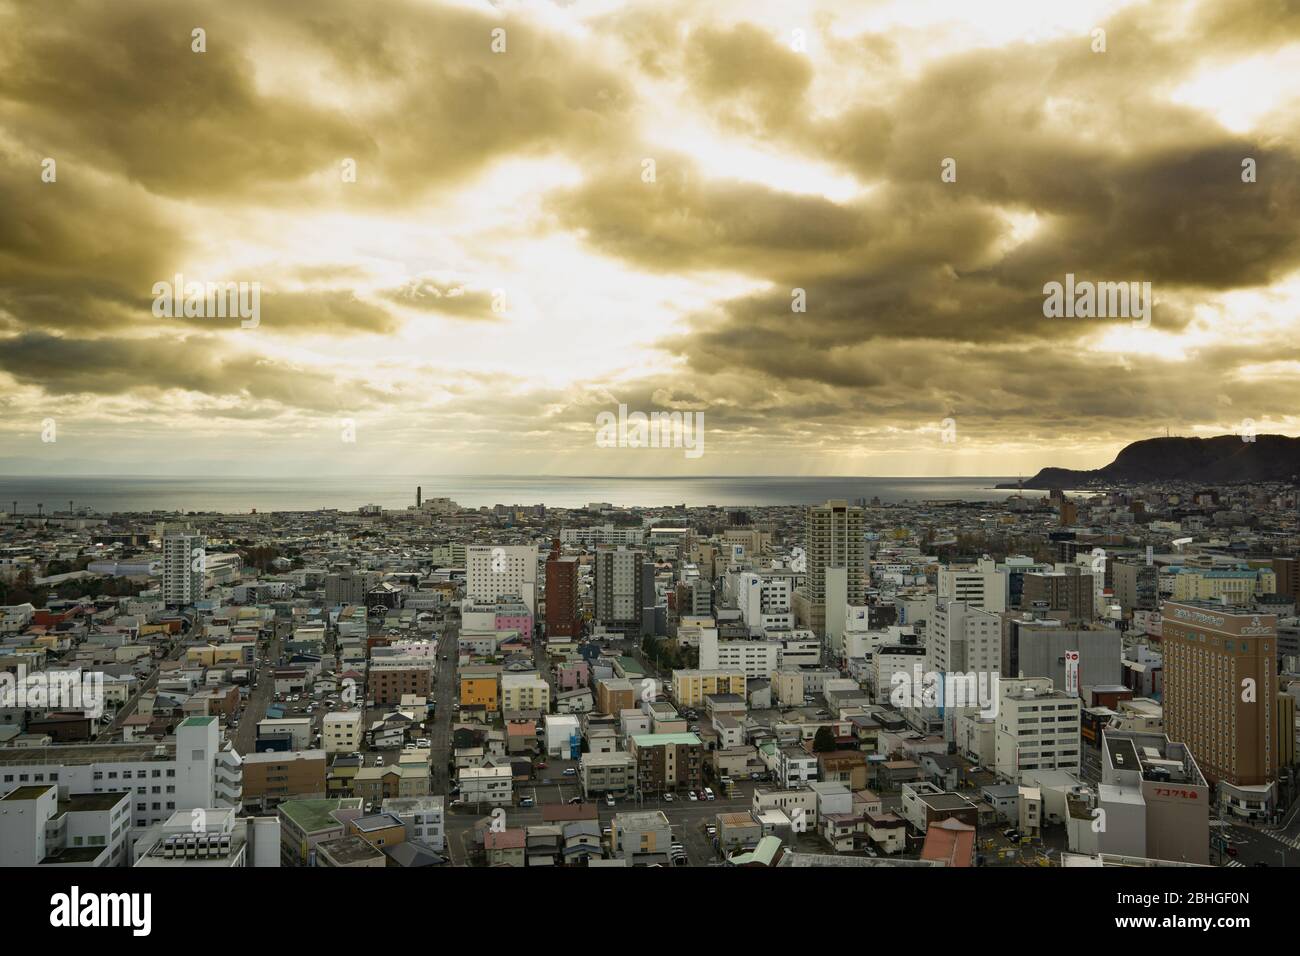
824	741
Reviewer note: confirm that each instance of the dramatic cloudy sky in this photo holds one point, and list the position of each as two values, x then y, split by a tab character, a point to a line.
500	272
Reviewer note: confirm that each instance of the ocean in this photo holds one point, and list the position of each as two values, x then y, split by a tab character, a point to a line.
107	494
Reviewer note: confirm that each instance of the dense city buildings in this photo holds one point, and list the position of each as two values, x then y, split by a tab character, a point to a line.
375	684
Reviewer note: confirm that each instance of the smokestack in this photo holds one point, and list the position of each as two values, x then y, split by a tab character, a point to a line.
417	497
38	509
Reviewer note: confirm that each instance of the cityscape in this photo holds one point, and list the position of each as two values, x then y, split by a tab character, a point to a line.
568	435
1099	678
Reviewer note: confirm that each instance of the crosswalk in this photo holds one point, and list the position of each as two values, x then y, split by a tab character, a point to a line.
1234	863
1293	842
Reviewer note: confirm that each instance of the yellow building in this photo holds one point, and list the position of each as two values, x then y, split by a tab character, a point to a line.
214	655
525	692
1232	585
691	687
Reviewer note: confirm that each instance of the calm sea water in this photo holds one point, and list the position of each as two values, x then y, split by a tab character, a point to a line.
242	495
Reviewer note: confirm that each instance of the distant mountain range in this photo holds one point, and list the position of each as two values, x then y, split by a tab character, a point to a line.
1222	460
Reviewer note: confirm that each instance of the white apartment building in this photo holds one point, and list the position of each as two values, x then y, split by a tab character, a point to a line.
757	659
195	771
795	767
962	642
525	692
495	572
87	830
183	568
764	599
423	818
982	586
891	659
342	732
964	639
761	657
486	785
604	534
1037	728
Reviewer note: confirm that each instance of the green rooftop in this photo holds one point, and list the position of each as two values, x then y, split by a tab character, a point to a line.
28	792
312	816
197	721
764	853
631	665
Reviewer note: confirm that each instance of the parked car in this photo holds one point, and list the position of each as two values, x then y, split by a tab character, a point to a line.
541	765
525	801
708	793
573	800
691	794
571	771
668	798
609	800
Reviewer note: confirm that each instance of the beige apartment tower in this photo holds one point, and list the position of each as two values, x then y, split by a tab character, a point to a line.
833	542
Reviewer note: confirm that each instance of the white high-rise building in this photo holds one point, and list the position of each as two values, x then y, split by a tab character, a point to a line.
964	639
183	567
982	586
962	643
763	598
493	572
1037	728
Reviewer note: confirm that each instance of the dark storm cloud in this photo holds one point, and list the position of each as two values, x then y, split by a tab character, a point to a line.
64	367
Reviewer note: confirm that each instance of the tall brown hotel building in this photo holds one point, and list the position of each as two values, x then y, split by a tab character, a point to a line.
1211	654
561	595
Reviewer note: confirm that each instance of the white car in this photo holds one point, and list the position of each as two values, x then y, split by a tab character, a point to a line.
668	798
691	794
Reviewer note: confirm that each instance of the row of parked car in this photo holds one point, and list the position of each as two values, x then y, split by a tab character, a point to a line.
705	794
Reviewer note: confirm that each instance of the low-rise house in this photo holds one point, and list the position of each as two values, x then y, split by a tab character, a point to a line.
505	847
349	851
641	837
887	832
581	842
